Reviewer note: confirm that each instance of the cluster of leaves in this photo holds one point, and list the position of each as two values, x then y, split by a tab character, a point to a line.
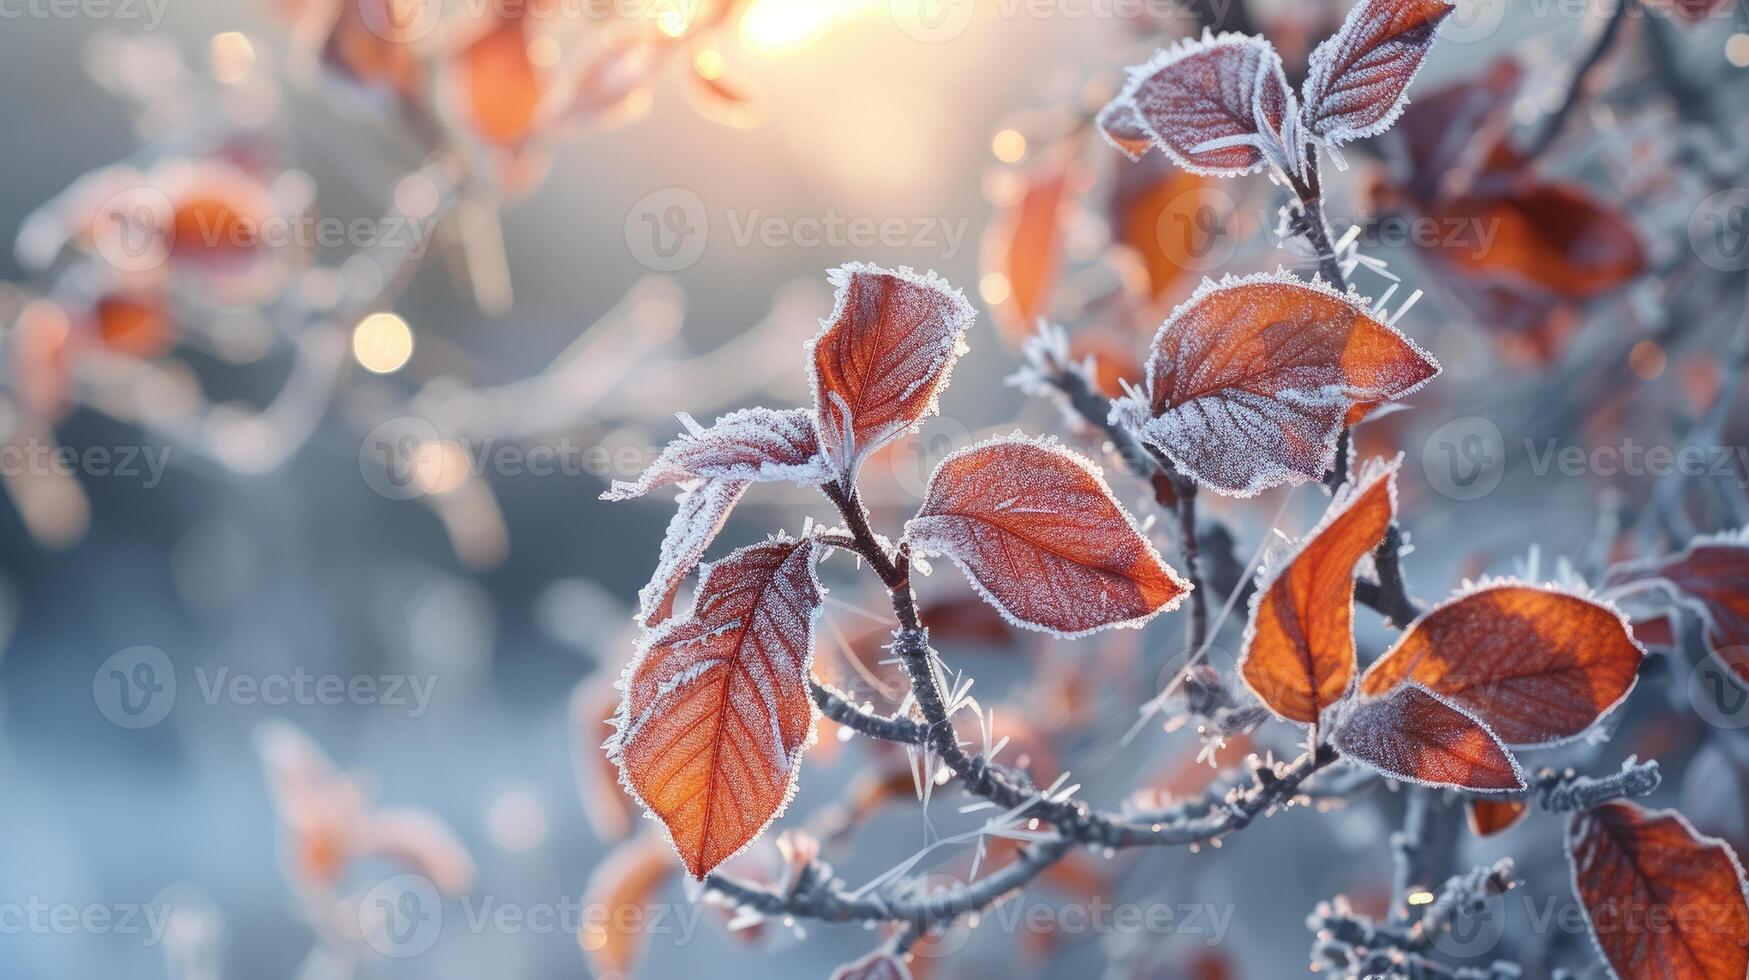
1253	382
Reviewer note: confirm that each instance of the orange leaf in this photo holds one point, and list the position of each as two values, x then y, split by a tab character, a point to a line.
1660	899
716	710
883	358
1537	665
1024	245
1041	537
1490	817
1174	223
1250	381
1299	647
1417	736
624	887
499	90
135	324
1357	81
1228	88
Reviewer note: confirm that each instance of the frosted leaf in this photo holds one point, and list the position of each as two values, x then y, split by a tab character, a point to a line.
1216	106
704	508
624	885
1660	899
1299	644
754	445
1250	381
1358	79
1039	534
716	711
1710	578
1417	736
1538	665
882	358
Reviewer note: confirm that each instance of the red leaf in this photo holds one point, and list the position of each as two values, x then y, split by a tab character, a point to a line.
1710	577
1415	735
716	710
715	466
1537	665
878	965
1299	647
1024	245
1250	381
1040	535
1228	89
883	358
1660	899
1357	81
1490	817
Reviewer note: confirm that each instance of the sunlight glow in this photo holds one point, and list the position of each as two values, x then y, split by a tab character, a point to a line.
779	25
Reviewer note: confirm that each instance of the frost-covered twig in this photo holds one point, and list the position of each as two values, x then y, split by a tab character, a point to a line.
1582	72
1566	791
838	708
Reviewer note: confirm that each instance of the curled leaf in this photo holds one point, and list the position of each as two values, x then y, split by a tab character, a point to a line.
716	711
1660	899
1358	79
1299	647
882	358
1537	665
714	467
1040	535
1250	381
1417	736
1215	106
756	445
1710	577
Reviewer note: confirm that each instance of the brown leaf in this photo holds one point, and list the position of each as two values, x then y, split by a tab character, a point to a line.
1414	735
716	710
1357	81
1709	577
882	358
1228	88
1661	900
1299	646
1250	381
1040	535
1537	665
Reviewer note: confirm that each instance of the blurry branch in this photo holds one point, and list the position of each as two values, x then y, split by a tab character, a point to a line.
1582	73
1408	849
1355	946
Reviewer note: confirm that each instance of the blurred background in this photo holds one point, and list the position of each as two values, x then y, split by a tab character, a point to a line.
304	581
